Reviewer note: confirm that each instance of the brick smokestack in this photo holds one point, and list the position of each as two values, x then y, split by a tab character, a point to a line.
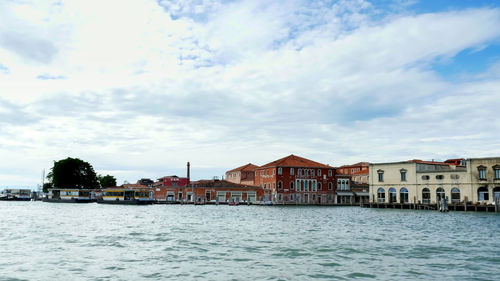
188	172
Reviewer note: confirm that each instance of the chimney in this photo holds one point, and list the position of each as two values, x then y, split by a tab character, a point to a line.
188	171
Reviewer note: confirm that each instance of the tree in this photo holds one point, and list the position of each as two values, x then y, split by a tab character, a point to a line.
46	187
72	173
107	180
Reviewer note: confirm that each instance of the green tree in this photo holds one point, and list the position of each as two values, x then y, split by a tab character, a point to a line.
46	187
107	180
73	173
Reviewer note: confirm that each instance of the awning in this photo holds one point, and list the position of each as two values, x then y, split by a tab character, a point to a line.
344	193
362	193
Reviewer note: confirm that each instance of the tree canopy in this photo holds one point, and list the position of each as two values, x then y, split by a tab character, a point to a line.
73	173
107	180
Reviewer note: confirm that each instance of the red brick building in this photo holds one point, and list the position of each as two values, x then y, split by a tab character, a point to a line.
242	175
297	180
170	188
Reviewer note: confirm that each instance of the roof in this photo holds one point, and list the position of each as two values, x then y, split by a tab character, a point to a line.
133	185
295	161
221	184
355	165
248	167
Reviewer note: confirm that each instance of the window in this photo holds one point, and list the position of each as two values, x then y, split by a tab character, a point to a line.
330	186
426	196
280	196
306	185
497	172
403	195
439	177
291	197
329	173
314	186
455	195
392	195
319	173
496	193
292	172
440	194
300	172
264	186
274	185
482	172
426	177
280	185
403	174
291	185
319	186
274	172
380	175
280	171
381	195
454	177
483	194
298	185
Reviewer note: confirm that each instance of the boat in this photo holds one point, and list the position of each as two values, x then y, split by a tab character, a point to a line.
126	196
70	195
16	195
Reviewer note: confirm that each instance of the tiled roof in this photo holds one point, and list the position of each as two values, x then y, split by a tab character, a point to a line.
133	185
355	165
248	167
295	161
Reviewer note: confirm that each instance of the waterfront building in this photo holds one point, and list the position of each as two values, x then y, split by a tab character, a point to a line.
343	191
475	180
223	191
242	175
297	180
358	171
171	188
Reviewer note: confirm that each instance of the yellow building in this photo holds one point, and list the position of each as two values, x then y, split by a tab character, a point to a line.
475	180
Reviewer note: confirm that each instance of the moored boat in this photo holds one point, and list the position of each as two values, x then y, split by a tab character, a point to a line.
69	196
126	196
16	195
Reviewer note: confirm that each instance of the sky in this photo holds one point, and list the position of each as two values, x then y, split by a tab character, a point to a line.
138	88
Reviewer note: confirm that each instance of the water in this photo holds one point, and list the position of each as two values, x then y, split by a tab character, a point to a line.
44	241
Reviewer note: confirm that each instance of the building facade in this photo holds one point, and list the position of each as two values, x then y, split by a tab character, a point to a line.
242	175
297	180
474	180
359	172
171	188
223	191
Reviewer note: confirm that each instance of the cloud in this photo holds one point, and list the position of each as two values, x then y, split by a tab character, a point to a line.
222	84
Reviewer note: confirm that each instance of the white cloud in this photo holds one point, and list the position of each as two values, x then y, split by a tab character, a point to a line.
144	87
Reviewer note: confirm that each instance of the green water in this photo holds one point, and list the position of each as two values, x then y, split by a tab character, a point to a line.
44	241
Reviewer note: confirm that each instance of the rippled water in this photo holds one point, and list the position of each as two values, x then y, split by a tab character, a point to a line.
44	241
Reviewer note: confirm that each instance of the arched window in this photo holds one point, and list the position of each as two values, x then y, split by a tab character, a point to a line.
392	195
381	195
319	186
426	196
291	185
292	171
455	195
330	186
306	185
403	195
496	193
483	194
440	194
280	185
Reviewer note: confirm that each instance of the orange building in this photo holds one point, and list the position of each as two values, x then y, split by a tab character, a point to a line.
223	191
242	175
297	180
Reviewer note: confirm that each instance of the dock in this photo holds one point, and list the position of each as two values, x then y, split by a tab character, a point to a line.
451	207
